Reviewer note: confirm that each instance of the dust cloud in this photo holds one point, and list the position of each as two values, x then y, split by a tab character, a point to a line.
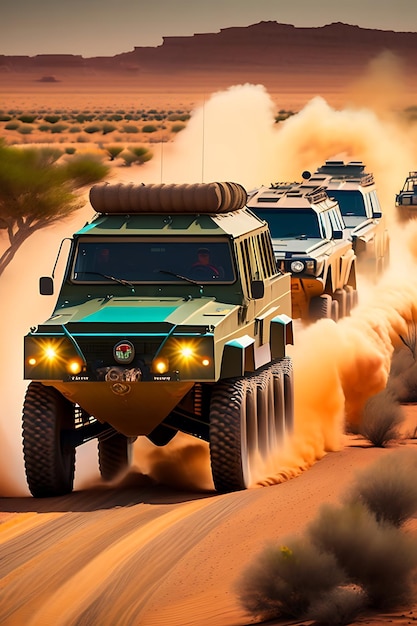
233	136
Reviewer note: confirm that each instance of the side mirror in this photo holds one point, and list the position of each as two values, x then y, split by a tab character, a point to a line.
377	215
258	289
46	286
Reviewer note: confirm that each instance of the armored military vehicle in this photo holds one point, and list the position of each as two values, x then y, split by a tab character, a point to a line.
171	316
310	241
406	199
356	192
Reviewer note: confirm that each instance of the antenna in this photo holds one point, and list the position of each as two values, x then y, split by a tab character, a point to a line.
203	137
162	158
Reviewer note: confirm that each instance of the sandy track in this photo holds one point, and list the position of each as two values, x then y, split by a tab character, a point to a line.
140	554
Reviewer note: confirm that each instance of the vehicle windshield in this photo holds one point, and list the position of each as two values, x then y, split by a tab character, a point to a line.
136	260
291	223
350	202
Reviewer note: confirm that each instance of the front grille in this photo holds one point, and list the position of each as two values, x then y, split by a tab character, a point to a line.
99	350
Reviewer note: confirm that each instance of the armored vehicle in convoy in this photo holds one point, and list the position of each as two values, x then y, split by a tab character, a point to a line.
310	241
355	191
171	316
406	199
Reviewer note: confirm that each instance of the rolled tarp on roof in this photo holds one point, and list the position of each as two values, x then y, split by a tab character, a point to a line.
167	198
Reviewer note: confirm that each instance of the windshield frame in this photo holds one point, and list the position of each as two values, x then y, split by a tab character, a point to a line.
162	260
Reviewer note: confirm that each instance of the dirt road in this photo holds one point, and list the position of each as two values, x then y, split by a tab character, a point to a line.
146	554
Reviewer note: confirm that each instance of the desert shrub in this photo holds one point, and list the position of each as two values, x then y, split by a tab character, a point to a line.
381	419
27	118
107	128
128	157
149	128
70	150
25	129
13	125
141	153
388	488
178	117
74	129
92	128
130	128
340	605
87	169
378	557
114	151
58	128
52	119
4	117
402	380
284	580
176	128
116	117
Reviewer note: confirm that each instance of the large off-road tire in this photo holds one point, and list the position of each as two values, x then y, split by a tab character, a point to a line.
48	452
250	418
320	307
340	295
114	455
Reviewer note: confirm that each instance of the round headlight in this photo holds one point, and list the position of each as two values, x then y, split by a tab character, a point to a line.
297	266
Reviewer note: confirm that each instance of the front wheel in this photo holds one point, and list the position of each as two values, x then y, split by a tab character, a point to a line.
250	418
49	454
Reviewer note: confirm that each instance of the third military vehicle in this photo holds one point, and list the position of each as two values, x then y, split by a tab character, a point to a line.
172	316
310	241
356	192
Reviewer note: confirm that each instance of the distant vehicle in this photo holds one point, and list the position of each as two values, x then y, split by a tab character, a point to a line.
406	199
311	241
357	195
171	316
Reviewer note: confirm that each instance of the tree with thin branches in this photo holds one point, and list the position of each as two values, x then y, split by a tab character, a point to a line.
37	191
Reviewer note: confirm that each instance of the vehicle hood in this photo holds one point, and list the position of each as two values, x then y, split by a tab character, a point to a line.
284	248
149	311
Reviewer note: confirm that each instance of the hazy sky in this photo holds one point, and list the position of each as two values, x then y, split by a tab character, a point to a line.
108	27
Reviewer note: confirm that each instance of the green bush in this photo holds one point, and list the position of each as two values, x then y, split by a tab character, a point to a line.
141	153
25	129
58	128
13	125
92	128
27	118
130	128
176	128
149	128
87	169
52	119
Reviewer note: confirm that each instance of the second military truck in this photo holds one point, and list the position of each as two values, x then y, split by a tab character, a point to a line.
172	316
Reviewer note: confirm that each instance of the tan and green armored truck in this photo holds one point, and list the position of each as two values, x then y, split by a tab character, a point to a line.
171	316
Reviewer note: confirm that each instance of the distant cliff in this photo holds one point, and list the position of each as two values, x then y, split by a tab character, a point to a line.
266	47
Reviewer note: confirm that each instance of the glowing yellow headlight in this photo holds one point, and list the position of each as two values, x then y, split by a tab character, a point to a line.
187	352
205	362
160	365
50	353
32	360
74	367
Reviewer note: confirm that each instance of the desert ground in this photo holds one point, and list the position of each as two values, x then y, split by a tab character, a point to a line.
161	547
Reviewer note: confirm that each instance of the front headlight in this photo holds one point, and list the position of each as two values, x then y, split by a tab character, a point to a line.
50	358
308	266
297	266
191	357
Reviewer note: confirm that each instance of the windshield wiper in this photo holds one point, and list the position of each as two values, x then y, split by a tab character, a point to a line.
121	281
188	280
